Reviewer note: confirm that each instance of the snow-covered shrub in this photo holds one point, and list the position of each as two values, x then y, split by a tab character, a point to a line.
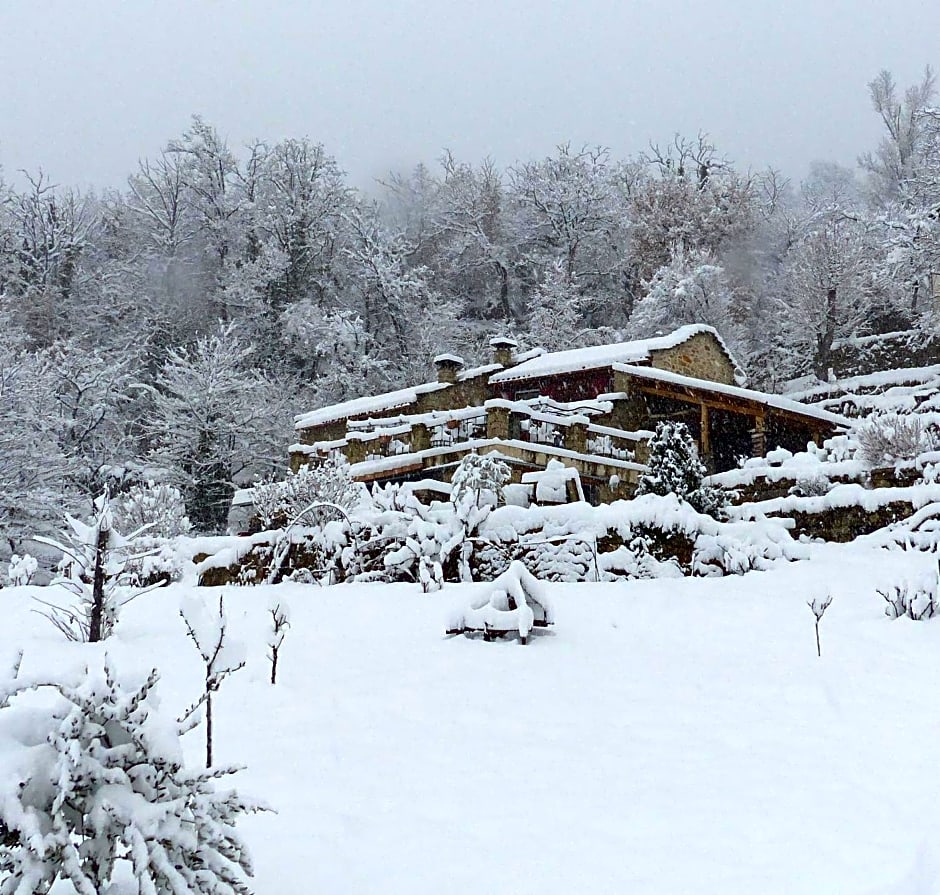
811	486
95	570
570	559
277	504
674	467
158	509
911	600
398	538
886	439
477	486
21	569
95	794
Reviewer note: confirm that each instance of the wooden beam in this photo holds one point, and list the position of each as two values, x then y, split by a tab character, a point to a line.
727	403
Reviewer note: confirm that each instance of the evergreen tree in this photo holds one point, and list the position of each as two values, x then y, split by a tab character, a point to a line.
97	791
674	467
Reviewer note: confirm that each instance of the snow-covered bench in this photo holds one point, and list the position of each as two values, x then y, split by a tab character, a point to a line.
514	603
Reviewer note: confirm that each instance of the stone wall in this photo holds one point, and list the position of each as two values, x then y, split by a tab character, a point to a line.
701	356
862	357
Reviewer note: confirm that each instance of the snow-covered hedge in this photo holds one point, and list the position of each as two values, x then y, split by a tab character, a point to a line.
400	539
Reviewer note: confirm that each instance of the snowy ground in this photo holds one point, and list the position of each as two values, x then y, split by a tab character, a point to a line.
666	737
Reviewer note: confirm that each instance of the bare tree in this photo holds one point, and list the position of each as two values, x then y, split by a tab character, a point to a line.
221	655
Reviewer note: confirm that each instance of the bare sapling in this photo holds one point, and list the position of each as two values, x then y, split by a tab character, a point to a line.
221	656
280	622
818	606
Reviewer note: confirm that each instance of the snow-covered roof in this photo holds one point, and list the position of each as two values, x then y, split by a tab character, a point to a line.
368	404
777	402
576	359
473	372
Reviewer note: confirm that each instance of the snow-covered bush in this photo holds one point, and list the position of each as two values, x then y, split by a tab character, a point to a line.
95	570
397	538
157	509
674	467
277	504
811	486
95	793
886	439
21	569
476	488
916	601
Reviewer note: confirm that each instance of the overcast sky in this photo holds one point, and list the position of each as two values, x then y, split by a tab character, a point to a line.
87	88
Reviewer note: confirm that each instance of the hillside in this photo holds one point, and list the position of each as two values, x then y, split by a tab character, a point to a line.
665	736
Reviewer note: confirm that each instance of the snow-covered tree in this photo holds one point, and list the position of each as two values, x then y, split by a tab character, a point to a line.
476	488
155	506
95	793
222	655
94	571
674	467
313	486
35	480
691	288
216	421
555	318
894	167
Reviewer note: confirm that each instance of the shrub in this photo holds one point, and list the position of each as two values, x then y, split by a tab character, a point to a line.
890	438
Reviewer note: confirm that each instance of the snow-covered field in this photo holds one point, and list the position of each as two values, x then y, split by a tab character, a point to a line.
669	736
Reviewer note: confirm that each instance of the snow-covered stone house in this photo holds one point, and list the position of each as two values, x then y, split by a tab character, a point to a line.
593	409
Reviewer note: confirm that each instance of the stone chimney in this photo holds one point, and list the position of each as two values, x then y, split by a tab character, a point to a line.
503	347
448	366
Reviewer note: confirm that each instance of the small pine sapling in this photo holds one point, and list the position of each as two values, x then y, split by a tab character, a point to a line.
818	606
221	655
280	622
98	789
674	467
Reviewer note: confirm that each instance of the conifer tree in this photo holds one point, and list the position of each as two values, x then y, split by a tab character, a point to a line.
674	467
96	787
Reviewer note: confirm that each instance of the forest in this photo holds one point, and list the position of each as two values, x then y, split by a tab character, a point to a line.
170	330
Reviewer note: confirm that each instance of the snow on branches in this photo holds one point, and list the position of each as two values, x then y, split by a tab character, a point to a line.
95	570
97	795
674	467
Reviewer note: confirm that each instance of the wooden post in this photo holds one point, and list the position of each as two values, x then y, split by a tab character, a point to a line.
704	439
759	437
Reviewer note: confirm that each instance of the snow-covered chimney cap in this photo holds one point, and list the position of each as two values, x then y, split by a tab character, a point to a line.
503	342
448	360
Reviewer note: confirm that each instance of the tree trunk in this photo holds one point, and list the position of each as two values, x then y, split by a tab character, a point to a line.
208	725
825	339
97	587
